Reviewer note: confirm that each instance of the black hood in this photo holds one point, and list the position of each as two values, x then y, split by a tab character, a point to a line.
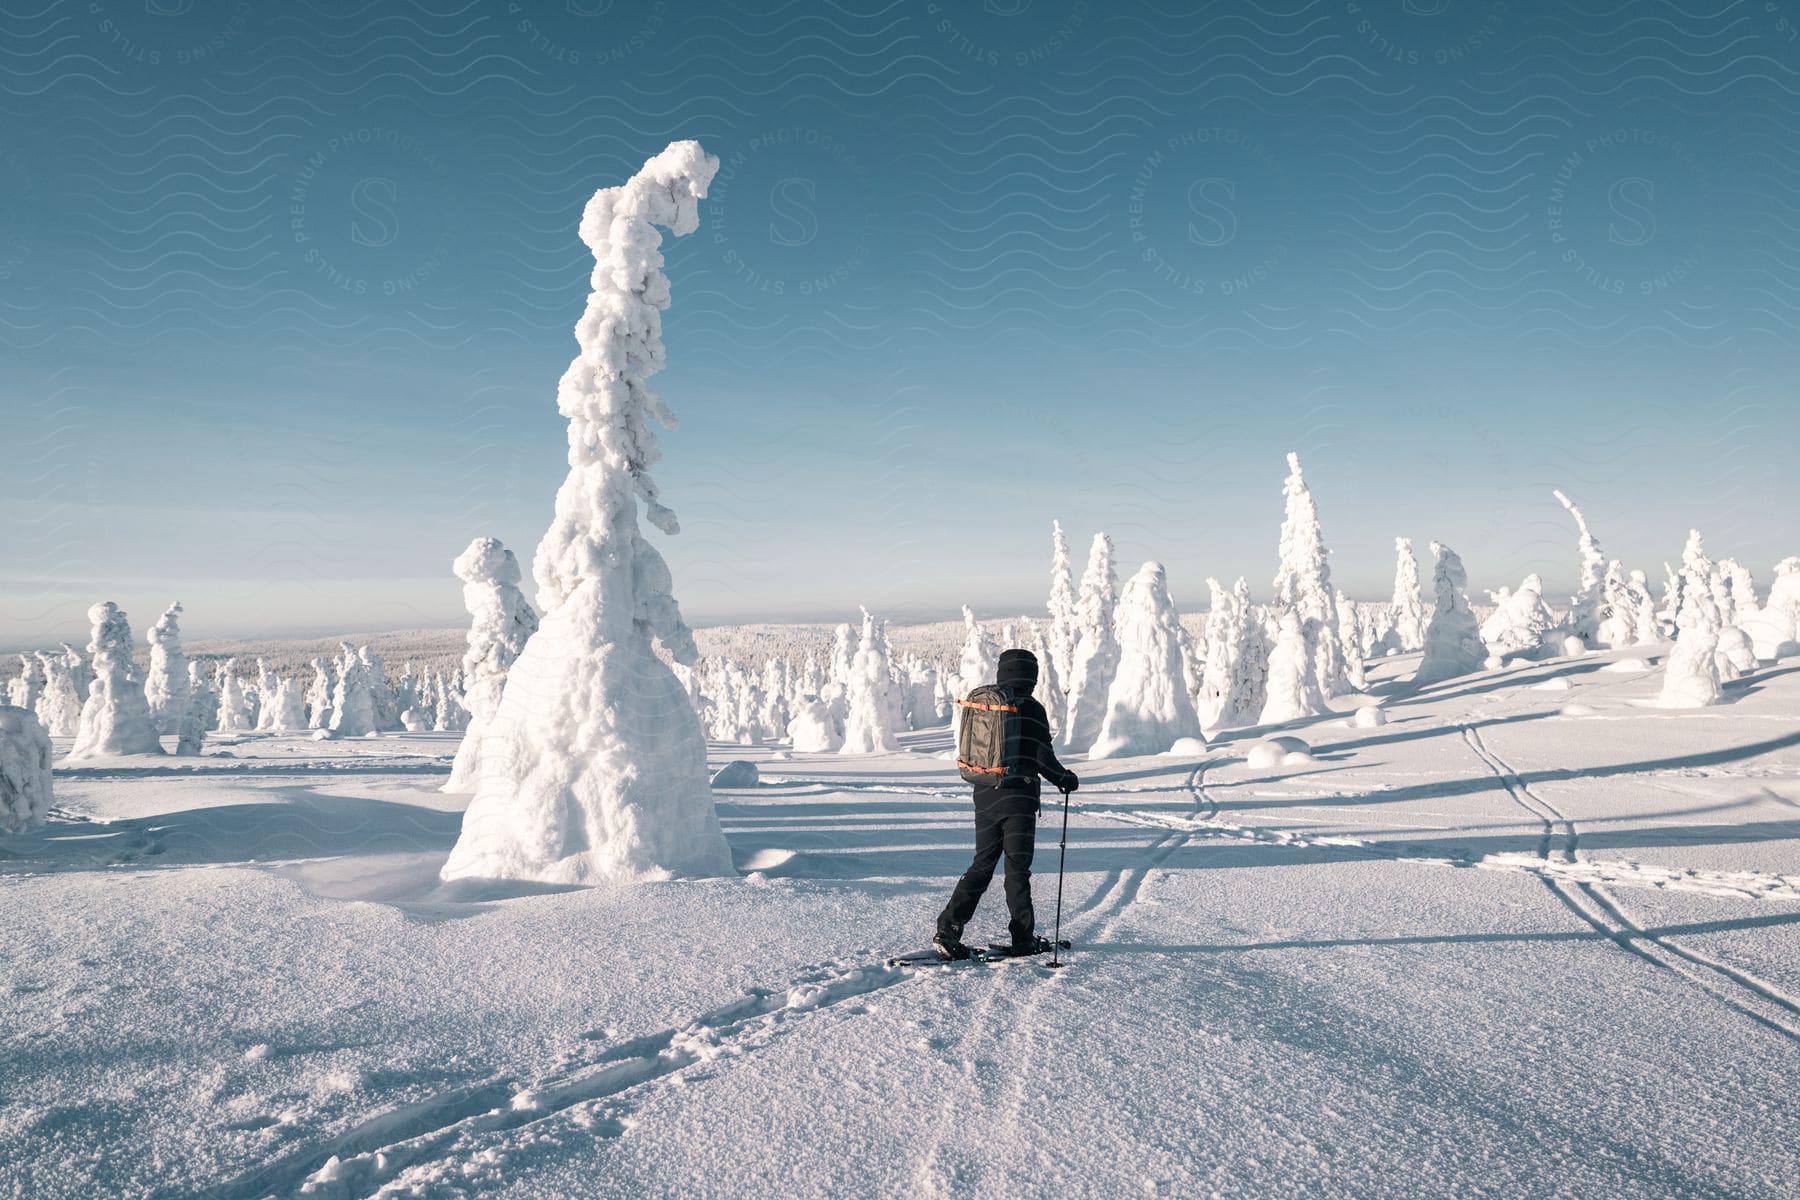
1018	670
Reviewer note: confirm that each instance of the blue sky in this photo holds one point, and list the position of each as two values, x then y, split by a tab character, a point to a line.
286	291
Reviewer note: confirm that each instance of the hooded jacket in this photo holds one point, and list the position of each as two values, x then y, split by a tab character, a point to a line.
1029	754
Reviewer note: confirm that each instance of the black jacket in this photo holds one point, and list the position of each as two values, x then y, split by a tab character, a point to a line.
1029	754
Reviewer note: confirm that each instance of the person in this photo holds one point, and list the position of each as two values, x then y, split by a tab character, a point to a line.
1006	818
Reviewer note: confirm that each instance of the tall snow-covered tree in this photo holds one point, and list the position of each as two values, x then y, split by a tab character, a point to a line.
237	711
318	695
203	701
1293	688
353	700
1064	631
166	685
1587	608
116	717
980	655
284	709
1097	649
1303	584
1691	672
24	689
59	707
1049	686
1350	636
1453	644
501	621
1409	603
24	770
1147	706
596	767
869	729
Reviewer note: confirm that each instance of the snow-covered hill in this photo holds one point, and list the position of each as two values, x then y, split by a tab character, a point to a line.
1529	937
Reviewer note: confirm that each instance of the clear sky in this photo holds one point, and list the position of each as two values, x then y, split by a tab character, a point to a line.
285	291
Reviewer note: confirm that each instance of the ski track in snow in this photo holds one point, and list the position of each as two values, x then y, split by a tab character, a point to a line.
1755	998
417	1144
1107	903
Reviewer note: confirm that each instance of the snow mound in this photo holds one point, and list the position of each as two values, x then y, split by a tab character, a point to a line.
24	770
1494	662
1371	717
736	774
1573	647
1279	752
1554	684
1626	666
1579	710
1187	747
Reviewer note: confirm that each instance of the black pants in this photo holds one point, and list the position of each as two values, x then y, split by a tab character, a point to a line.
997	833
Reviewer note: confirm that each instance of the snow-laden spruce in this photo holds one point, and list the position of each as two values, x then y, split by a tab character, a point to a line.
353	700
318	696
24	770
116	717
1408	614
1096	648
1774	628
1293	684
595	767
59	705
1303	586
1453	643
1049	690
1691	672
1064	631
165	687
1148	706
980	655
869	729
24	689
1521	622
284	708
1587	608
501	621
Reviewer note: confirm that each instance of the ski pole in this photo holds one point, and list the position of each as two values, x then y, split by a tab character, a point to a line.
1062	856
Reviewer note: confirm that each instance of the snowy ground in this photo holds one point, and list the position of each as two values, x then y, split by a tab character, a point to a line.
1531	938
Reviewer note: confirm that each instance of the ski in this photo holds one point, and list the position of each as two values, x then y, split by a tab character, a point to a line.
982	954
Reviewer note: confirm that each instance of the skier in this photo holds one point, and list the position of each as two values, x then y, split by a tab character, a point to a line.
1006	817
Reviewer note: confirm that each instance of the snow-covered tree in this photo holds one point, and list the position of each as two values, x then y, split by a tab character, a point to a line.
1148	706
501	621
814	730
596	768
24	689
166	686
1064	631
1774	628
284	709
1408	601
869	729
980	656
1453	643
1691	672
318	696
59	707
1096	650
1521	622
447	712
116	717
1049	686
1646	628
923	689
1293	687
1587	608
237	711
352	700
203	701
1350	637
1303	584
24	770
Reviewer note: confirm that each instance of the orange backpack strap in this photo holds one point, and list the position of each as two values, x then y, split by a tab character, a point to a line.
987	707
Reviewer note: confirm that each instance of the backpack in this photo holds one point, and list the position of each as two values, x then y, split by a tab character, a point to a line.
981	736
